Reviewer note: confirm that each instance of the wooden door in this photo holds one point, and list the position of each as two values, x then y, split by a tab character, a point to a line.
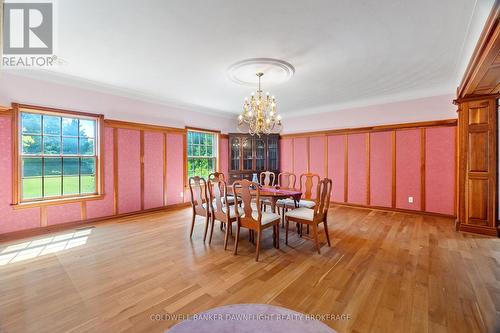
478	166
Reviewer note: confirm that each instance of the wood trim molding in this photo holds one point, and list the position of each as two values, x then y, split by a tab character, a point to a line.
392	209
368	187
379	128
141	161
83	210
115	171
184	167
224	136
101	158
393	195
164	169
197	129
38	108
422	169
43	216
346	168
15	155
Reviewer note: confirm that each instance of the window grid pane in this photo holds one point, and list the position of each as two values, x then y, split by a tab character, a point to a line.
44	171
201	154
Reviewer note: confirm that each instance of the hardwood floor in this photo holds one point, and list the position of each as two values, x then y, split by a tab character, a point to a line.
386	271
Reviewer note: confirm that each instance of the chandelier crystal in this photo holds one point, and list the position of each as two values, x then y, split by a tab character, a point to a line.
259	113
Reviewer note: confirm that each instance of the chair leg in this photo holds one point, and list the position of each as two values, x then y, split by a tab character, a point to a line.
259	235
207	222
237	240
226	237
286	232
326	232
192	225
212	229
307	229
315	231
277	226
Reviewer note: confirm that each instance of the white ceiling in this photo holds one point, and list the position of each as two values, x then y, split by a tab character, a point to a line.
345	53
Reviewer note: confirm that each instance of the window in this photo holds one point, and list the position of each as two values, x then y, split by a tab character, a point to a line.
58	155
202	153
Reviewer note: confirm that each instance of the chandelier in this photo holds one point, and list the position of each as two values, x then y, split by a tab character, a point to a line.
259	113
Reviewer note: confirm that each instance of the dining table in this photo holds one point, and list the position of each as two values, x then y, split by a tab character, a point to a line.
273	194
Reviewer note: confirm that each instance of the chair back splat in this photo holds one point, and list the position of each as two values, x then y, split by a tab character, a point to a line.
219	189
243	188
199	195
267	178
324	190
287	180
307	181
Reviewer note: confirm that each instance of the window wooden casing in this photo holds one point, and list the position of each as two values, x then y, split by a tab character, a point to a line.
17	162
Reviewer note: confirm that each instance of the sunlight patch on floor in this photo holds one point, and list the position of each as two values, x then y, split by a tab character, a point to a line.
39	247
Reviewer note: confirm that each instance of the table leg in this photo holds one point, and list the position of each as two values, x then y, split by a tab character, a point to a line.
273	204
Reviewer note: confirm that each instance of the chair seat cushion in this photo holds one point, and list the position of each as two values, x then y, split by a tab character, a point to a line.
307	203
301	213
266	217
291	203
286	202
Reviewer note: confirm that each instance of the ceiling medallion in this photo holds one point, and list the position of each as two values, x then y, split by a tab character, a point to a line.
276	71
259	113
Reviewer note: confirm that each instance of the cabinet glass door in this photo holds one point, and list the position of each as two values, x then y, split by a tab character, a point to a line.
235	153
272	150
260	154
247	149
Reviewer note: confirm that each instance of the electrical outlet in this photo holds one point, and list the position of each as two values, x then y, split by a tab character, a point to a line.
410	199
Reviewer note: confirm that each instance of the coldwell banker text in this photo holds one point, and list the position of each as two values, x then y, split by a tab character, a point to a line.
28	35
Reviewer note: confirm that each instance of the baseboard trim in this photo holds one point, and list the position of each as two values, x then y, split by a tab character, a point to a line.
390	209
88	222
488	231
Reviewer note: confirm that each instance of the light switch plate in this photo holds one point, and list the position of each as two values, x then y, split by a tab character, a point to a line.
410	199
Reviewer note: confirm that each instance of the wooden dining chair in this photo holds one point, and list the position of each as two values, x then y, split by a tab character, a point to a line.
253	219
225	214
267	178
313	216
219	175
286	180
199	202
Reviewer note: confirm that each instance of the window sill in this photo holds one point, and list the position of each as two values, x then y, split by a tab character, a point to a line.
55	202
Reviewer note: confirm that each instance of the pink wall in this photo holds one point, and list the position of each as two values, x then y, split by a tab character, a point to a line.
153	169
300	156
439	166
408	169
286	155
381	169
64	213
317	155
440	169
10	219
224	157
129	171
356	168
175	169
104	207
336	153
